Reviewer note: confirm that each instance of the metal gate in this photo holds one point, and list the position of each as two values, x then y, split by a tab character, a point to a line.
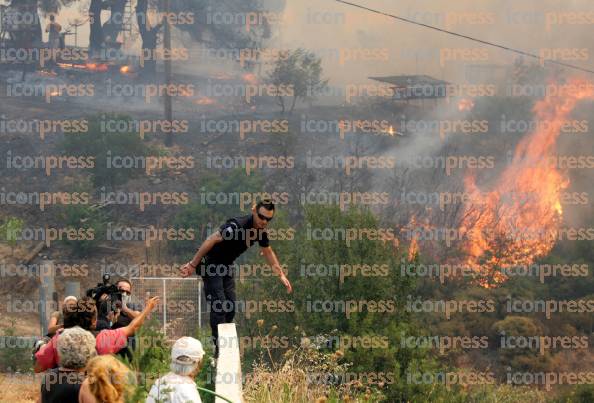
182	306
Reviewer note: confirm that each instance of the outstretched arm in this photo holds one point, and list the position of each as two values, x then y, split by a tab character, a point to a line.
139	320
206	246
273	262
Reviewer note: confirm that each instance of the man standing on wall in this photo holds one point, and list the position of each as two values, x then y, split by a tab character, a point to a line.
220	250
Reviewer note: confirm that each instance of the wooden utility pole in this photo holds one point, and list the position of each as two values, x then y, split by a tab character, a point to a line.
167	57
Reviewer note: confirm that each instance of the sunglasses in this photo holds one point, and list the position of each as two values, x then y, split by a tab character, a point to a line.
263	217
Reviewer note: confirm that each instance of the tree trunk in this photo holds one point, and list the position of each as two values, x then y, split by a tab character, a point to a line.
113	26
149	37
96	37
293	104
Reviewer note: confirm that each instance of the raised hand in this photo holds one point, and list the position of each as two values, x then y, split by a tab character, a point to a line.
186	270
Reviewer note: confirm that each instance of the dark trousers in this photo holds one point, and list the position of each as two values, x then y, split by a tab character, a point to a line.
221	297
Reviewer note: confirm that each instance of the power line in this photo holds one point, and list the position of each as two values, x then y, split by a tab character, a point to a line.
521	52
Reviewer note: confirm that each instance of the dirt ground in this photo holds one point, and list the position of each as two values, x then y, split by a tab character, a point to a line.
19	388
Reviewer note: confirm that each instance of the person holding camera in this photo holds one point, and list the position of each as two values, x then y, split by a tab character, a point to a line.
114	306
107	341
129	310
220	250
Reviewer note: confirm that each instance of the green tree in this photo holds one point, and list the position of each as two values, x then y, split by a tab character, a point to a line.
87	219
300	71
525	359
9	230
332	329
12	357
104	146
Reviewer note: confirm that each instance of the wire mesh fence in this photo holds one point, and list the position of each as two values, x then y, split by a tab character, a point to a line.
182	311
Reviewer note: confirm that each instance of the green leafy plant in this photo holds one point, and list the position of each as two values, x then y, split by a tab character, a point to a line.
8	231
300	71
14	358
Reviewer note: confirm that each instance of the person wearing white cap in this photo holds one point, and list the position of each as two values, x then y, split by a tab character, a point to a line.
178	386
57	318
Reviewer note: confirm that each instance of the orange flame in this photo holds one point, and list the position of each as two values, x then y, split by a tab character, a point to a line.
465	104
250	78
413	227
205	101
517	221
101	67
413	249
125	69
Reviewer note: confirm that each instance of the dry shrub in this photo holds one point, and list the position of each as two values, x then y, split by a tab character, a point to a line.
306	375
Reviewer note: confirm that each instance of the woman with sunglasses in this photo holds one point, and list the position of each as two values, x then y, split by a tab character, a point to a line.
220	250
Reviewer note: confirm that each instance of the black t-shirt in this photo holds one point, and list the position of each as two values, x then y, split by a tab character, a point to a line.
123	319
59	386
238	235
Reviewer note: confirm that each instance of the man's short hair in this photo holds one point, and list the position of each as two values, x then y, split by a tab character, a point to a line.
266	203
82	314
125	280
76	347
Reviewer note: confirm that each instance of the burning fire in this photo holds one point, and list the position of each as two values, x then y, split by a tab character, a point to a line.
391	131
413	228
413	249
517	221
465	104
125	69
101	67
250	78
205	101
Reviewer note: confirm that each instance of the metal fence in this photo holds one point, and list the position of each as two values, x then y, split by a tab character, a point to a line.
182	310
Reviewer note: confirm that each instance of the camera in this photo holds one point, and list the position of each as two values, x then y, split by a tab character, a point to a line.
105	288
108	300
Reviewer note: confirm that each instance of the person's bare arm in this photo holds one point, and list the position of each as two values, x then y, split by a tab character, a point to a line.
53	325
274	263
129	312
206	246
139	320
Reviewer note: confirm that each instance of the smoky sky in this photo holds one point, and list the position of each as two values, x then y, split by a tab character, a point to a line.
355	44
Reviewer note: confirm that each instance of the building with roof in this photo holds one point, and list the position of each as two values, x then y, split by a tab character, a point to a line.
415	87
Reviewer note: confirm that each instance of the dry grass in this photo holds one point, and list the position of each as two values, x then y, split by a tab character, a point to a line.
19	388
302	378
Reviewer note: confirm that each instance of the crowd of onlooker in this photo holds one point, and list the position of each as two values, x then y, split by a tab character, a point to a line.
85	363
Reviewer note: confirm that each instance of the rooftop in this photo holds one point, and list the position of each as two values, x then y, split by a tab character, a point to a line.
410	80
